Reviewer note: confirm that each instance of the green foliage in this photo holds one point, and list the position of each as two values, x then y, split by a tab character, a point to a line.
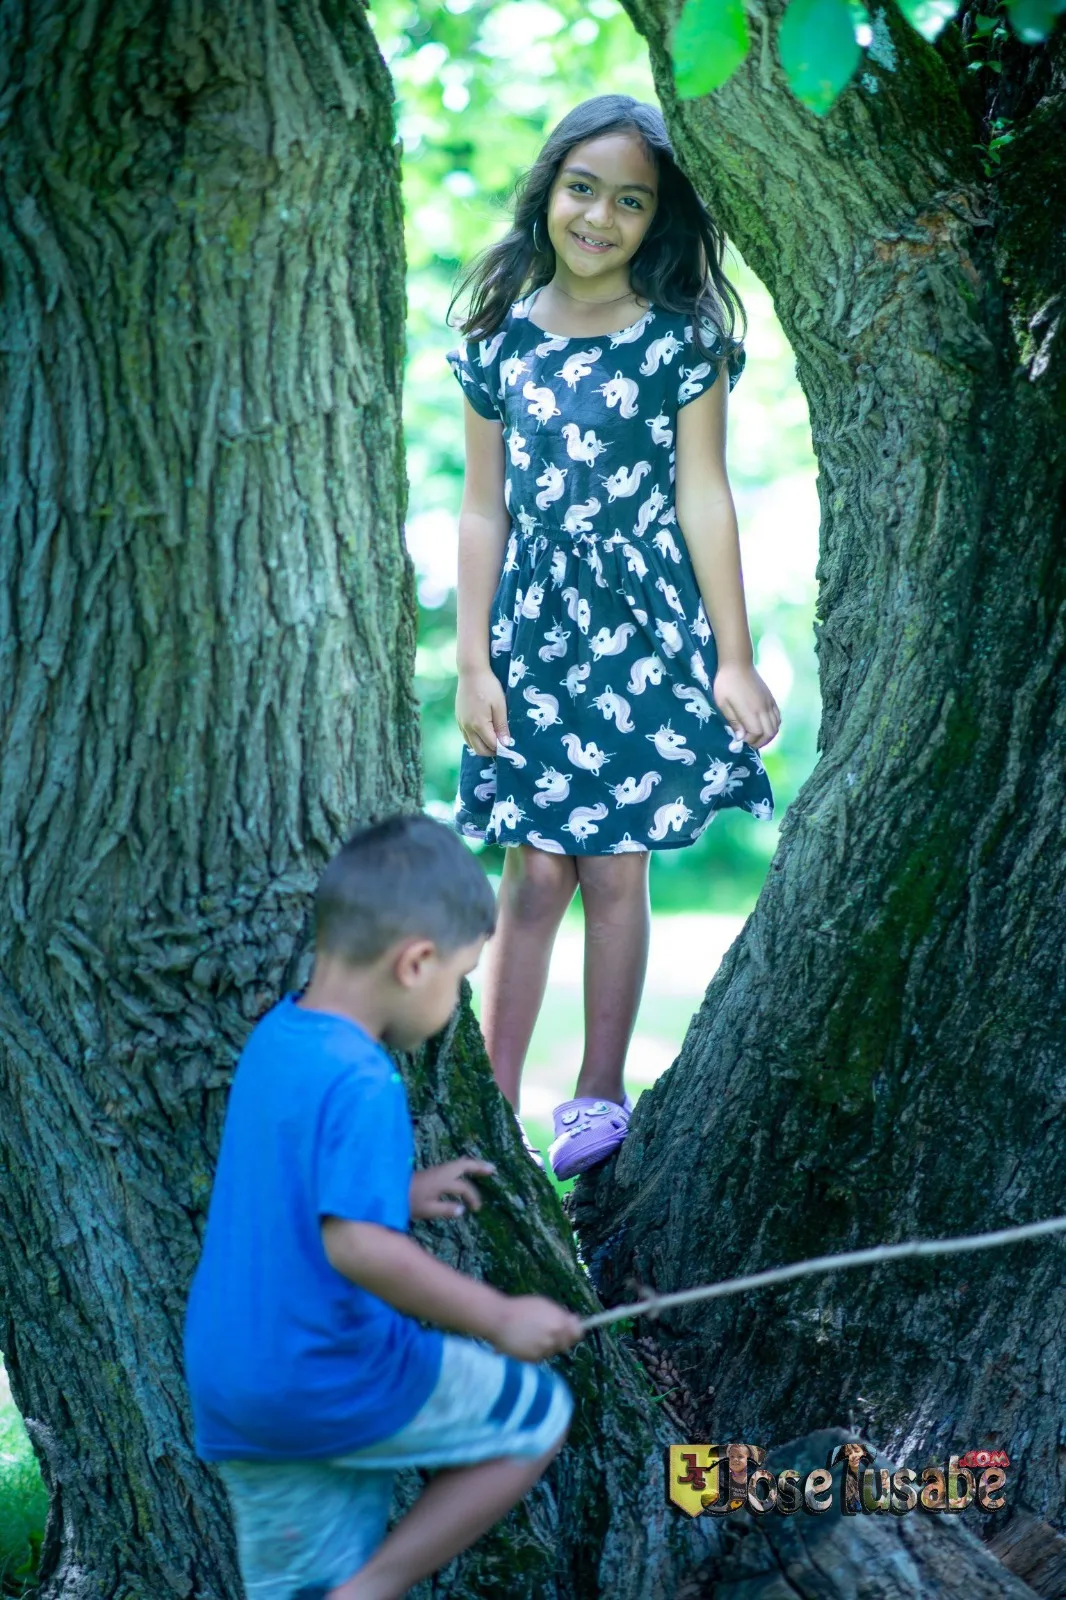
820	42
818	50
23	1500
709	43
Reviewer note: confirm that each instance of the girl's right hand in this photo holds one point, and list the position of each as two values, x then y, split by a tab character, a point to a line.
481	710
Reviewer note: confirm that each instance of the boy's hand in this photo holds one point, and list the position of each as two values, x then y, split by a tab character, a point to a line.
533	1327
431	1187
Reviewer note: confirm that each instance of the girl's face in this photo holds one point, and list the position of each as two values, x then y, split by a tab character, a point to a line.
601	204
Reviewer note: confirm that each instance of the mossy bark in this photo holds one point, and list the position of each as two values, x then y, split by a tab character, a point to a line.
880	1055
207	637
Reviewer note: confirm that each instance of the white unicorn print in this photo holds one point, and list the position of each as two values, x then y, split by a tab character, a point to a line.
486	790
612	641
577	517
581	446
633	791
575	678
664	349
544	708
614	705
487	348
661	432
502	634
648	512
670	595
635	331
578	366
694	702
558	567
516	671
526	522
649	669
638	611
761	809
532	601
666	545
577	608
553	785
505	814
589	757
666	817
511	369
509	753
519	457
671	746
691	385
635	562
583	819
541	402
625	843
699	671
541	843
551	482
721	778
509	562
554	341
556	643
621	392
670	640
625	481
701	627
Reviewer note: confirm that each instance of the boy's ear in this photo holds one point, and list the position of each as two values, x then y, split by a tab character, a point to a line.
410	957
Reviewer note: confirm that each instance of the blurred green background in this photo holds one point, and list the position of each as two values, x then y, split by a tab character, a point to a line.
478	87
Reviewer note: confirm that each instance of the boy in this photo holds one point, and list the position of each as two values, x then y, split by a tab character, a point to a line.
311	1381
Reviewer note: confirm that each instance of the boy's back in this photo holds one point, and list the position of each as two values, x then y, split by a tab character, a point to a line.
285	1357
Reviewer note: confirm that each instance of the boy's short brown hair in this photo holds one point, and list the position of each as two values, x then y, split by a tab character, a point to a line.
404	876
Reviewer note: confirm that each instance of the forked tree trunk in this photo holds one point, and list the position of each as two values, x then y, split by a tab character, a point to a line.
881	1054
207	627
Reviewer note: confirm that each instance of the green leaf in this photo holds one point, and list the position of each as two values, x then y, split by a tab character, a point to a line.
1032	20
709	43
818	50
929	17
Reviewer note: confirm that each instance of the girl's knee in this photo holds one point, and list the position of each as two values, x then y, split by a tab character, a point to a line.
540	882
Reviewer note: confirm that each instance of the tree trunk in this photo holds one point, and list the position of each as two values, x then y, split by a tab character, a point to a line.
880	1055
207	622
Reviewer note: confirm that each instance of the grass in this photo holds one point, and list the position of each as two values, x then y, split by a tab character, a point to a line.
23	1501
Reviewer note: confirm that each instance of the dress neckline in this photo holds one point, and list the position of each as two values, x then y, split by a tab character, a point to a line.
546	333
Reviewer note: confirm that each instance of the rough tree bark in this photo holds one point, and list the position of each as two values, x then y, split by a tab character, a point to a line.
207	634
881	1054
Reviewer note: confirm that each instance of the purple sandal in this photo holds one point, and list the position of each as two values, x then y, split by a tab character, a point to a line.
586	1131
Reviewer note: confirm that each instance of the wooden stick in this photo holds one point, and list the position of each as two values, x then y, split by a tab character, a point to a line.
652	1304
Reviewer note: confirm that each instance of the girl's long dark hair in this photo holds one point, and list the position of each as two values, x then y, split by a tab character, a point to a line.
678	265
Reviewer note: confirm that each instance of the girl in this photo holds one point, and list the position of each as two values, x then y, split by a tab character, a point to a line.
607	696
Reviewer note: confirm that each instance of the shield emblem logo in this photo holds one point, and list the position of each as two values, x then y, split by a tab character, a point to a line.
692	1478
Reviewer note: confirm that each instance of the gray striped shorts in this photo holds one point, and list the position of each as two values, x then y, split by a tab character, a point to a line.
305	1526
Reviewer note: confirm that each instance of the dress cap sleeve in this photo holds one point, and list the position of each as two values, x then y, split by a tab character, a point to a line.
475	377
696	373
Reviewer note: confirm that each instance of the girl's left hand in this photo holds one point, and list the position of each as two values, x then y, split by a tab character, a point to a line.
431	1186
746	704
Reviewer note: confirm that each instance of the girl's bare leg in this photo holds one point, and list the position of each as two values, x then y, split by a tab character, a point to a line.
614	893
456	1508
535	889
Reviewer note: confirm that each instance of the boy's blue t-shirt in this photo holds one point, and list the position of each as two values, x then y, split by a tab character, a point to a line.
284	1356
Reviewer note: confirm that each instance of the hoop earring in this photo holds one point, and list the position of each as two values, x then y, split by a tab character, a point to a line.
536	246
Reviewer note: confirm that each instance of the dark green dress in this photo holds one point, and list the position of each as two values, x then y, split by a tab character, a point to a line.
598	631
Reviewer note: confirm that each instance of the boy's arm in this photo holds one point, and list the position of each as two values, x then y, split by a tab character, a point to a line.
395	1267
